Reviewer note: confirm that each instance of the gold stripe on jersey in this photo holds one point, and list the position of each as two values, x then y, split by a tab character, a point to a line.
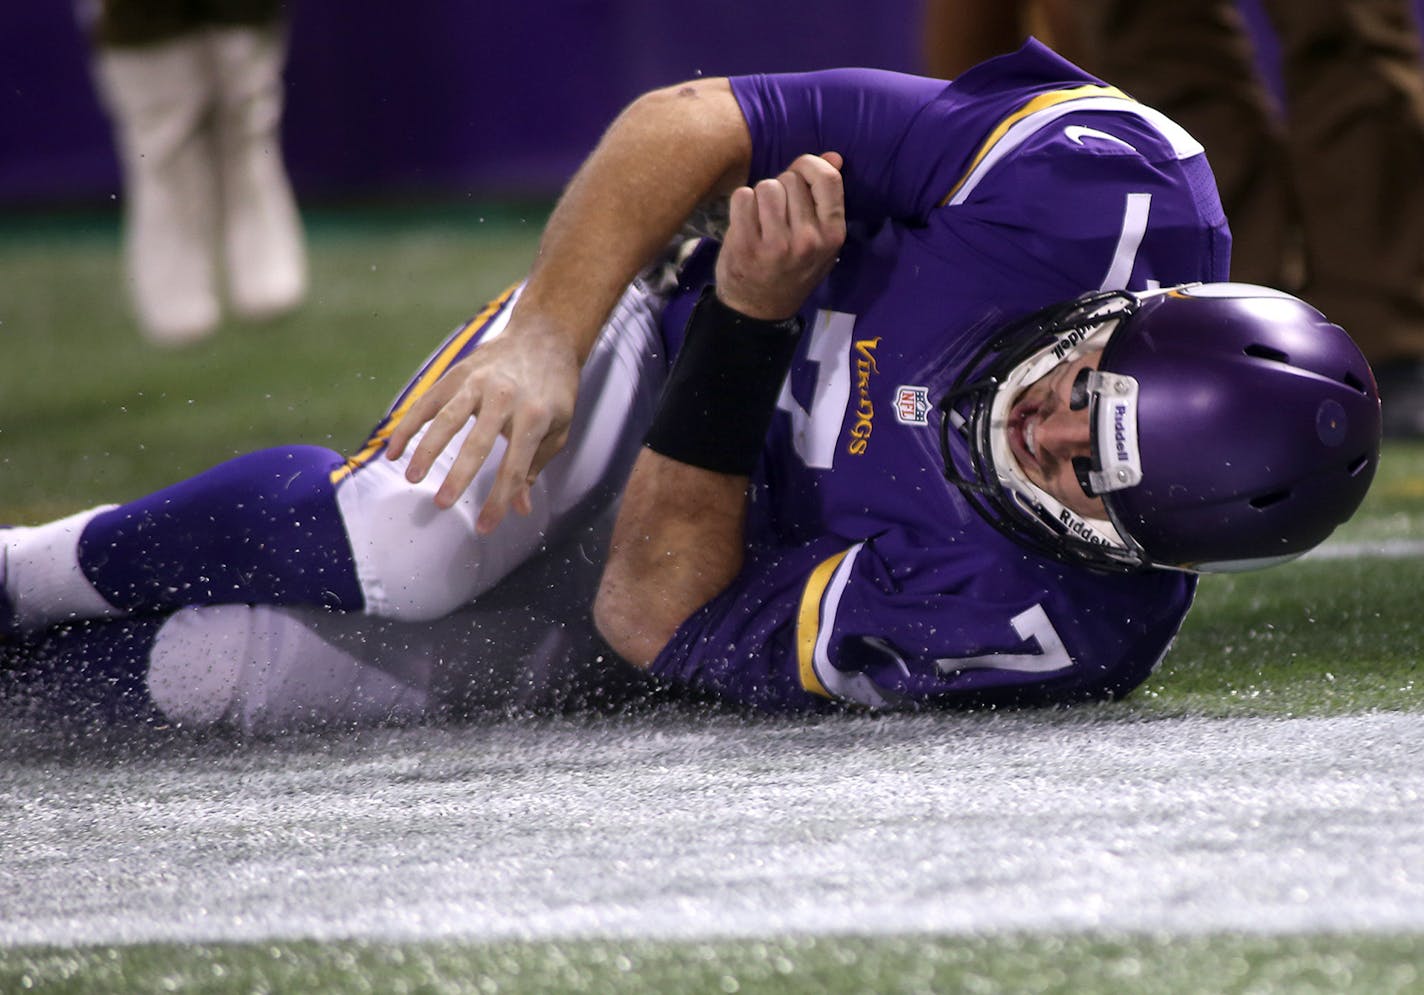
1038	103
433	371
808	623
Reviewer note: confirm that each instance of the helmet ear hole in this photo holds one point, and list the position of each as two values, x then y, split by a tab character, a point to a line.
1266	352
1078	396
1264	501
1083	469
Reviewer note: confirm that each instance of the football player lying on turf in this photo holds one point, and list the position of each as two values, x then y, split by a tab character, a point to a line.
936	438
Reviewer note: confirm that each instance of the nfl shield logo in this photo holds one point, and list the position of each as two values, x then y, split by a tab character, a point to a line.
912	405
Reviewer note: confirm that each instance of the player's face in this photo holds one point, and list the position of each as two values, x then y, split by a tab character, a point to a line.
1045	433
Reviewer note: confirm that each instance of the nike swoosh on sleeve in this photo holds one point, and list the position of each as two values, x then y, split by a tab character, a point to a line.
1075	133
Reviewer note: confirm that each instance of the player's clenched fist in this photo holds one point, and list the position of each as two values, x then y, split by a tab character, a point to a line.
782	238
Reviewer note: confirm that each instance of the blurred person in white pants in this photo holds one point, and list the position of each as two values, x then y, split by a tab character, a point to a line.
195	93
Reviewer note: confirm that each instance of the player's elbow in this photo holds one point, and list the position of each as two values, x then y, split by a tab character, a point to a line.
699	115
622	614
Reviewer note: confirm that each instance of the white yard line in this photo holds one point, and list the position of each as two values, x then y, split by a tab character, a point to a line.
1389	549
674	827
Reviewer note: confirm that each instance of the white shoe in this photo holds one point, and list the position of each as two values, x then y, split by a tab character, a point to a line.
159	97
264	250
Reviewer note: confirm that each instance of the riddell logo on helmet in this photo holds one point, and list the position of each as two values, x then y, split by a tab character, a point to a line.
1069	341
1115	433
1120	432
1080	528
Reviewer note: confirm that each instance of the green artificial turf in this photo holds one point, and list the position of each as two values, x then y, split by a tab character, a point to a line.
1070	964
91	413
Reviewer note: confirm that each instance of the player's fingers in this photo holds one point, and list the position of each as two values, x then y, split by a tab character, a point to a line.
512	478
439	433
815	170
827	189
742	220
524	499
547	448
808	167
551	445
443	412
410	423
814	238
800	209
771	210
472	455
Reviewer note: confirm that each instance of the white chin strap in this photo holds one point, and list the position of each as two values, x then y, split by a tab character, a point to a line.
1067	348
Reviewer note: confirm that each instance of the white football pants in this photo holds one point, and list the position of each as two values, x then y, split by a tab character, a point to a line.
461	619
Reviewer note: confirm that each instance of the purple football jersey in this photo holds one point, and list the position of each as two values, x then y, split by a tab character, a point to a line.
868	579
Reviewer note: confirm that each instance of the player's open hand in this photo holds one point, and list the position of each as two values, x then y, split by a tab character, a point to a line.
782	238
521	385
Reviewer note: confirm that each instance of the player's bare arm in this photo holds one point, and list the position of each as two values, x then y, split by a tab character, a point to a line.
668	151
678	539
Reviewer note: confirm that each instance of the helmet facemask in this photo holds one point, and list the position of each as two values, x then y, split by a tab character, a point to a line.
1260	416
979	406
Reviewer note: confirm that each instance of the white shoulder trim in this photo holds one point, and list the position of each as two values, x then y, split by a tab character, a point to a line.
1183	144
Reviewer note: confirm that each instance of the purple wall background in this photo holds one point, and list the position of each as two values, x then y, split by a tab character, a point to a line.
437	97
452	98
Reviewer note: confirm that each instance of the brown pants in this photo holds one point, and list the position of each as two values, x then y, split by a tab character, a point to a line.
123	23
1325	199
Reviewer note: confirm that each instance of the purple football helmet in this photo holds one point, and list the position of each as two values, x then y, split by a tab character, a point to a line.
1233	427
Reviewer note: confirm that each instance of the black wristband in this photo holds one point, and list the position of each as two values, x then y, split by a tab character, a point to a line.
721	391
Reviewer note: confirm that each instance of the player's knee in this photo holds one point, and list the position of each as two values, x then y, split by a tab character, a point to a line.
293	488
259	669
302	474
197	665
416	562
